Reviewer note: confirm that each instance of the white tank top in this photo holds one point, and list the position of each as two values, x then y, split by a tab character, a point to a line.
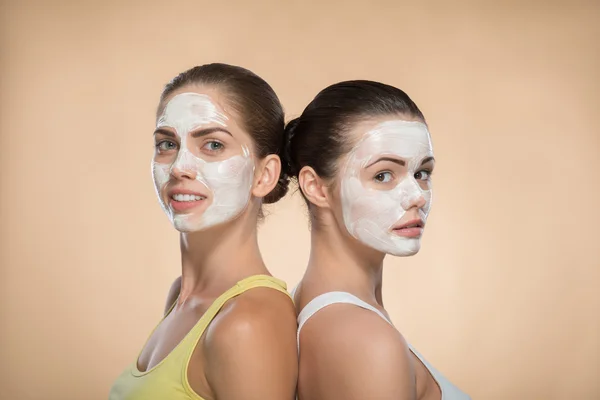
449	391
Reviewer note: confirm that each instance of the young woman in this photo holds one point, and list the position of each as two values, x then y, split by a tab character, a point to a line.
362	155
229	329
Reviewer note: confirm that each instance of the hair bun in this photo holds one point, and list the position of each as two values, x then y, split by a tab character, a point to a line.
290	131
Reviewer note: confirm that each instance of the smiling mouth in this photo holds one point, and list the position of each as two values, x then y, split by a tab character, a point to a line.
185	203
187	197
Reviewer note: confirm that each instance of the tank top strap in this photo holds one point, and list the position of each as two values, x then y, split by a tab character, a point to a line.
327	299
255	281
251	282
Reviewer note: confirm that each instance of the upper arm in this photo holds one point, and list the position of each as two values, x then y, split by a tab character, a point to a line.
173	294
350	353
251	348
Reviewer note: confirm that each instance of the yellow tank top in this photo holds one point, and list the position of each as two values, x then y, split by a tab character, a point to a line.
168	379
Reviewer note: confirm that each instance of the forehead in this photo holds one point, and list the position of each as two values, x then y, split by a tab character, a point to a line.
395	136
214	92
194	105
194	100
188	110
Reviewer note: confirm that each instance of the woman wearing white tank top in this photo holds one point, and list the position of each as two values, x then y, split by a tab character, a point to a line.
361	153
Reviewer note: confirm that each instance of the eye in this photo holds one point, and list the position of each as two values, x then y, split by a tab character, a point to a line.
384	177
213	146
166	145
423	175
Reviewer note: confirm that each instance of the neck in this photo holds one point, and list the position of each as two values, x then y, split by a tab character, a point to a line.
338	262
215	259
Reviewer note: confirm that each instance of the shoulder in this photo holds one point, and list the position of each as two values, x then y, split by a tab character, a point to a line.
352	353
173	294
252	317
252	341
343	324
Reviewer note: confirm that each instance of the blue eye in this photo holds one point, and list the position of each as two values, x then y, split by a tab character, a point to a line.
166	145
214	146
384	177
423	175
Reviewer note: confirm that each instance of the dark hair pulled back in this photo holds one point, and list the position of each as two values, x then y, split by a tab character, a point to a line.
318	137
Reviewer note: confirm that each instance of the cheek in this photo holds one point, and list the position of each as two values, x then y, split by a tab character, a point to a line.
428	195
363	203
160	174
232	172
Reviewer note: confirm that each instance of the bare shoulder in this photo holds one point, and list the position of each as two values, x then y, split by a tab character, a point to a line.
173	294
252	315
252	341
348	352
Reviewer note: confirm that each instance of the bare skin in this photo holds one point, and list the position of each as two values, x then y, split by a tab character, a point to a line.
251	341
347	352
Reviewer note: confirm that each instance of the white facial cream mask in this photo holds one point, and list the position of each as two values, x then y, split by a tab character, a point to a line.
371	214
226	183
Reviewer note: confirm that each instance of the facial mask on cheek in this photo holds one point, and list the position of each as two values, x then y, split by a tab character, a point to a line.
230	182
227	183
369	213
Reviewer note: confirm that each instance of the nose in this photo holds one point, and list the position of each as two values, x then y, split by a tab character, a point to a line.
418	201
414	197
183	173
184	167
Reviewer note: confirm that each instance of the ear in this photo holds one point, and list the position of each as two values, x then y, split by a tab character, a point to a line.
313	187
266	176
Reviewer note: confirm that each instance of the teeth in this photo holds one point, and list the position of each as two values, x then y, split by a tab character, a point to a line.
187	197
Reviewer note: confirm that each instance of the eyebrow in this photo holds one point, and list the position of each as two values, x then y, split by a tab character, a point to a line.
208	131
195	134
164	132
426	160
397	161
394	160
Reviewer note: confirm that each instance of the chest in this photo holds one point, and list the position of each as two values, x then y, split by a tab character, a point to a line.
167	336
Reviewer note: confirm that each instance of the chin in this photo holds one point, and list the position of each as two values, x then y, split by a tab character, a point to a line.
184	229
185	224
404	253
405	248
192	223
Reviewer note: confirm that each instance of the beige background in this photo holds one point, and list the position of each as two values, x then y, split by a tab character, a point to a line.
503	298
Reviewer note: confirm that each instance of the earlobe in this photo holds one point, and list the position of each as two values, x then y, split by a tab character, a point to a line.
268	175
313	188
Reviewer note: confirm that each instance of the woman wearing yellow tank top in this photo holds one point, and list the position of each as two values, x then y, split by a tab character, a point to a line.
218	134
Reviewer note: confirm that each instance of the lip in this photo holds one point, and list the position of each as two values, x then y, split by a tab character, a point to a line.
410	229
182	206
